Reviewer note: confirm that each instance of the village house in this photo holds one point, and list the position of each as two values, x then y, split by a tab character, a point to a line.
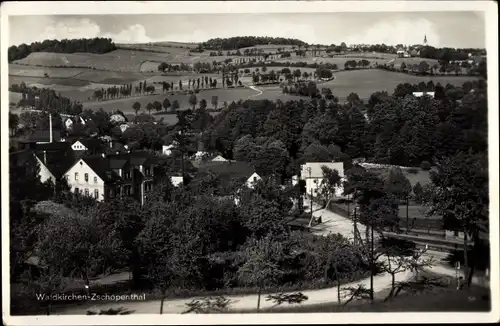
312	173
90	146
54	159
232	176
420	94
108	176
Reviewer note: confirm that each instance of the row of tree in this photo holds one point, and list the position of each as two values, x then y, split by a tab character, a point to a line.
93	45
235	43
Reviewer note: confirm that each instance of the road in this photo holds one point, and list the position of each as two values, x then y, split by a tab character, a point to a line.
331	223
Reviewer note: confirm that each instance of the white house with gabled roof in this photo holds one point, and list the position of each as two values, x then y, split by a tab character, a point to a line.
312	173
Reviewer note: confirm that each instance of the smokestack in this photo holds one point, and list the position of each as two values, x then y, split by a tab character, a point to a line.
50	128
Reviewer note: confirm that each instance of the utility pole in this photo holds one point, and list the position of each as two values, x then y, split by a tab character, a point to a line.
372	263
407	218
311	205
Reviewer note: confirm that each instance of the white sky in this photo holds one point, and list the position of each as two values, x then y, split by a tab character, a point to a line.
454	29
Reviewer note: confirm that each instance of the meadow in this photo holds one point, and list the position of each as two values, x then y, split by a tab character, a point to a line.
368	81
119	60
33	71
125	104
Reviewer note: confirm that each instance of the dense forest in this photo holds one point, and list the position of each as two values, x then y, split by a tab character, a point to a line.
94	45
234	43
396	129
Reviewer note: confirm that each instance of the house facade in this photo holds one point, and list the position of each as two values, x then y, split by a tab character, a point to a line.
252	180
312	173
85	178
107	176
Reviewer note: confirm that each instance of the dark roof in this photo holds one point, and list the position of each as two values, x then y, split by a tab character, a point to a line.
135	158
102	167
44	136
57	162
229	170
117	162
92	143
54	146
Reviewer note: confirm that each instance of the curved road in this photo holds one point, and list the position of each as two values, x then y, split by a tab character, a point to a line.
331	223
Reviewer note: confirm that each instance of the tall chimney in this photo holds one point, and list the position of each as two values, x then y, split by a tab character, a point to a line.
50	127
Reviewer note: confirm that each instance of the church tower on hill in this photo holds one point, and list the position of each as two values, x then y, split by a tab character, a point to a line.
425	39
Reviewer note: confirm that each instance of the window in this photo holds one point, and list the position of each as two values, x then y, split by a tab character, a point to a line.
96	193
86	177
254	179
147	171
86	192
95	179
77	191
76	176
127	174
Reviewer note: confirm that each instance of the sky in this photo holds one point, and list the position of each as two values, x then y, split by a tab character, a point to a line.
451	29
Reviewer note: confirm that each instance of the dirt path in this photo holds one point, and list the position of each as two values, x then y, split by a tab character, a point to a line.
259	91
332	223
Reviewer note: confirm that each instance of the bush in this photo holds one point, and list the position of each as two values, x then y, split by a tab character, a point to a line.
425	165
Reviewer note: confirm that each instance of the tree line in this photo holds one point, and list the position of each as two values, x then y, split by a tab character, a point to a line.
93	45
235	43
388	129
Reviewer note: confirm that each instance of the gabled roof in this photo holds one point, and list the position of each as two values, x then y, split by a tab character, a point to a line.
229	170
135	158
58	162
91	143
317	171
101	166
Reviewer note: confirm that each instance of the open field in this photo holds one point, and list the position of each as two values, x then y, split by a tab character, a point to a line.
119	60
368	81
75	89
174	44
125	104
32	71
